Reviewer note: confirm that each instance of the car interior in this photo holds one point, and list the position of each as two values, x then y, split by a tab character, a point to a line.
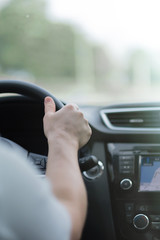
103	55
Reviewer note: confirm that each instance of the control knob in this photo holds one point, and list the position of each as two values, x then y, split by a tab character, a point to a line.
126	184
140	221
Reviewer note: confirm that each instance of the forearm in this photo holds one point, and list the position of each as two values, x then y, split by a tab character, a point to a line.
65	177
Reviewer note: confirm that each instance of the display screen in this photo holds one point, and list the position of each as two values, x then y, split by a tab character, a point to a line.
149	174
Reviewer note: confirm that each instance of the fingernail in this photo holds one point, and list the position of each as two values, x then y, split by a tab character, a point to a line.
47	100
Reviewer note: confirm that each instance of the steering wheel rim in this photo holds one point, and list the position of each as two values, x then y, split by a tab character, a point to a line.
28	89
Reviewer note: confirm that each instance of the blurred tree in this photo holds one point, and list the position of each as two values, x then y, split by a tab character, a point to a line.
102	65
139	68
30	42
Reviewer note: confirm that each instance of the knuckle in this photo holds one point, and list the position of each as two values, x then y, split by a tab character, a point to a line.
70	106
81	115
86	121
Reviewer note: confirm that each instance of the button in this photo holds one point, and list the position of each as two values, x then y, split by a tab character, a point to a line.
126	167
155	226
142	208
129	207
126	171
156	158
140	221
130	158
129	218
126	162
155	218
126	184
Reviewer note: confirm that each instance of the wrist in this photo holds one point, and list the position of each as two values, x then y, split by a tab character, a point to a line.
61	137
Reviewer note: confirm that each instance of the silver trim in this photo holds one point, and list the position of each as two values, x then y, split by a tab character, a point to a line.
147	223
139	172
120	110
100	172
126	179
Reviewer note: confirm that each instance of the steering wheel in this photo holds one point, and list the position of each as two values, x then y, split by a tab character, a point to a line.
28	90
38	94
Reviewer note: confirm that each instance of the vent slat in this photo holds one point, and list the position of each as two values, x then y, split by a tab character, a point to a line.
141	119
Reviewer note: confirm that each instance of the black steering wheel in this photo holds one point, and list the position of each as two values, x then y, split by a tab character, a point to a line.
28	90
38	94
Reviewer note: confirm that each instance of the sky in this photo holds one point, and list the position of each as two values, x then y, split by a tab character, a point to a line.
2	2
120	24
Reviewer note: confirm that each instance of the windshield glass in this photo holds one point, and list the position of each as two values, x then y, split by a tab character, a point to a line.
89	52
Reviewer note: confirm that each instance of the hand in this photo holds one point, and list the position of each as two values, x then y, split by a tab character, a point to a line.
67	123
66	131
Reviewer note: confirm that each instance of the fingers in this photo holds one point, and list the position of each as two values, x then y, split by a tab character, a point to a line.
72	106
49	105
75	106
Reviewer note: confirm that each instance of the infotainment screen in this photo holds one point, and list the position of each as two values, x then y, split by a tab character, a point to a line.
149	174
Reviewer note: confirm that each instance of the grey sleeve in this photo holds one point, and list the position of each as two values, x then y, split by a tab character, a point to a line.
28	209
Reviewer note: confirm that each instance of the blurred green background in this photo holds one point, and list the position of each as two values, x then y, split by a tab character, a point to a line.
60	56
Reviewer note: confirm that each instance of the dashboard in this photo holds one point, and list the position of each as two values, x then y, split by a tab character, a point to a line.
124	186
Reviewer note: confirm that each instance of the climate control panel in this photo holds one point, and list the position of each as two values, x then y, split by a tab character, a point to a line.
134	175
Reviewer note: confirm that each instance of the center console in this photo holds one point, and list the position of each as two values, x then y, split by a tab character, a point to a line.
134	177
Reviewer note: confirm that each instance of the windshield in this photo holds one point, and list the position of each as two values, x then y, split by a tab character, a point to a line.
88	52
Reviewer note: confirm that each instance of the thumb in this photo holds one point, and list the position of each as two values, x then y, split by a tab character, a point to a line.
49	105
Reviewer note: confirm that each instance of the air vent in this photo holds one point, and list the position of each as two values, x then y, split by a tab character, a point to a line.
144	119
